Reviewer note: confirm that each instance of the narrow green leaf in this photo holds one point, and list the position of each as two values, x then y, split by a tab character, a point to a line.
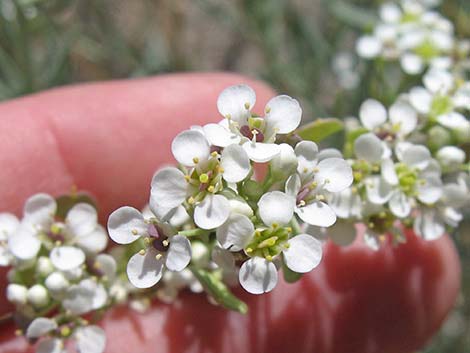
320	129
219	291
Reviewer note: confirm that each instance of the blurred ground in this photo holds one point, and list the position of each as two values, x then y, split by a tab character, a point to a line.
293	45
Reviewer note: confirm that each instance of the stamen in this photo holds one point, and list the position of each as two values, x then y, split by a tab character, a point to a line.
165	242
267	110
191	200
135	232
142	252
158	256
196	160
247	105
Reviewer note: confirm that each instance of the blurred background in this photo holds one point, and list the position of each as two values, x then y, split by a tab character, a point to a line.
301	47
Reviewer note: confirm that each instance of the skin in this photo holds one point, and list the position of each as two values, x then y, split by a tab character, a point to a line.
109	138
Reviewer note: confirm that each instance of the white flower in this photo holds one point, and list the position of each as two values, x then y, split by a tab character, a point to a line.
8	225
40	327
90	339
84	297
370	148
256	134
38	296
163	247
450	157
17	294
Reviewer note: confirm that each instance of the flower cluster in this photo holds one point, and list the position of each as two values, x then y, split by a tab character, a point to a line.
58	274
413	33
214	200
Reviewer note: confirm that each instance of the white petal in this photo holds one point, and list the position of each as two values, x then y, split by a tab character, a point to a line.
378	191
283	114
343	233
169	188
293	185
403	115
431	191
190	146
368	47
66	258
329	153
39	210
106	265
24	245
276	207
388	172
5	256
334	174
371	240
218	135
421	99
258	275
416	156
78	300
400	204
261	152
412	64
223	258
179	253
285	163
317	214
236	102
39	327
50	345
99	296
144	271
82	219
8	224
390	12
304	253
236	233
369	148
126	225
372	114
346	204
90	339
307	154
93	242
428	225
235	163
438	81
212	212
454	121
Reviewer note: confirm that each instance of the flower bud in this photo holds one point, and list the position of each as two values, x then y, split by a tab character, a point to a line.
438	136
285	163
119	292
200	254
56	282
240	207
17	294
463	132
44	266
38	296
450	157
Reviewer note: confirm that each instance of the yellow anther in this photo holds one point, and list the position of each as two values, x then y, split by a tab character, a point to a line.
382	238
211	188
97	265
58	243
204	178
267	110
134	231
187	178
313	185
65	331
275	225
316	170
165	243
257	233
375	168
84	322
247	105
142	252
191	200
196	160
55	229
249	250
302	203
214	154
267	242
18	332
354	190
220	169
320	197
305	170
382	215
286	245
254	132
371	225
228	116
158	256
147	240
269	258
289	229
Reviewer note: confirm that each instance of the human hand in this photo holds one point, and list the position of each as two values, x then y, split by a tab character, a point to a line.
109	138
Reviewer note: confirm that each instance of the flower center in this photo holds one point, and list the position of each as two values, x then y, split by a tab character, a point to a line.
205	179
441	104
407	179
55	233
381	223
158	238
427	50
269	243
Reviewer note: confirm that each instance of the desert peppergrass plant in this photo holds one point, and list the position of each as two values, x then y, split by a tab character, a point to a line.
252	196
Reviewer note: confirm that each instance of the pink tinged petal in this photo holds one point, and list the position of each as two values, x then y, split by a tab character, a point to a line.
416	156
283	114
90	339
258	276
24	245
94	242
400	204
317	214
378	191
334	174
218	135
235	163
276	207
39	210
39	327
304	253
421	99
66	258
236	102
412	64
189	146
369	148
126	224
261	152
388	172
179	253
403	115
212	212
429	225
8	224
372	114
82	219
144	271
169	188
236	233
50	345
431	190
